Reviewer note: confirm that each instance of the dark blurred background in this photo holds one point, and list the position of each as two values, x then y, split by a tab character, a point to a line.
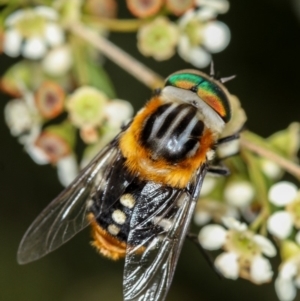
264	53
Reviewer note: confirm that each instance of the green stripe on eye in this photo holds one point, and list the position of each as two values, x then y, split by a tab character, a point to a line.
184	80
207	89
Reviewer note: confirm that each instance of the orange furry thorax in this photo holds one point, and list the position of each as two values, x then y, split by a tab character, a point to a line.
139	161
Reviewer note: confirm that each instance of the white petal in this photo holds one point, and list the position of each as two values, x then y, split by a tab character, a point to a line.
239	193
201	217
266	245
184	47
46	12
54	34
206	14
282	193
232	212
228	149
67	170
227	264
208	185
232	223
37	155
34	48
288	270
297	238
261	270
30	138
220	6
280	224
297	281
15	17
212	237
285	289
58	61
185	18
17	116
270	169
199	57
216	36
12	42
118	112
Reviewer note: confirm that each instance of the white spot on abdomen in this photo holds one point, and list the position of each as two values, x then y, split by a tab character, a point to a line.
113	229
119	217
127	200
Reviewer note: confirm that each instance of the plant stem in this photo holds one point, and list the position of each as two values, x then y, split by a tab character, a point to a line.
118	56
289	166
117	25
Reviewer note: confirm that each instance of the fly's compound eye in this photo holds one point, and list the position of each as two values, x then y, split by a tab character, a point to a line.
207	89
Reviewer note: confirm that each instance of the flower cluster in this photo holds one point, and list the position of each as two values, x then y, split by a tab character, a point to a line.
243	251
59	87
196	34
253	192
88	109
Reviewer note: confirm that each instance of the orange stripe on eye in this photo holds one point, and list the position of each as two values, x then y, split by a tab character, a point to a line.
184	84
213	101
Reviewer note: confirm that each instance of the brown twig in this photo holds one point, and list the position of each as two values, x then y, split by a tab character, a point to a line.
118	56
289	166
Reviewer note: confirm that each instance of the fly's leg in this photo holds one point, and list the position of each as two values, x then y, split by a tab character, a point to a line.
194	238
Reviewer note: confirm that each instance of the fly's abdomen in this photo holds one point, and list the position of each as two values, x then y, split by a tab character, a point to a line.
172	132
111	227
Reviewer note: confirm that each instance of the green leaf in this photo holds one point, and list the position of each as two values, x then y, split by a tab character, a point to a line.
99	79
87	70
257	177
287	141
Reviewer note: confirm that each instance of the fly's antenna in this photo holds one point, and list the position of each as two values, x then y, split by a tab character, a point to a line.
222	79
227	79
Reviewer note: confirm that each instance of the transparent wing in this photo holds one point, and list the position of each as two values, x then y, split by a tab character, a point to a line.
67	214
159	224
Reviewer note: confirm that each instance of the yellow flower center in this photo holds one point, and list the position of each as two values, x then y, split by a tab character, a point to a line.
242	243
294	209
31	25
193	31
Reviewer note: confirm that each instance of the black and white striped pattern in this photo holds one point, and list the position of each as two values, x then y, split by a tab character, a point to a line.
173	132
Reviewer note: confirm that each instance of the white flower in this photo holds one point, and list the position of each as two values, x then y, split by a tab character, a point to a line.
209	209
22	116
58	61
201	35
24	121
208	185
228	149
31	31
158	38
281	223
239	193
270	169
17	116
243	251
288	279
282	193
67	169
117	112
